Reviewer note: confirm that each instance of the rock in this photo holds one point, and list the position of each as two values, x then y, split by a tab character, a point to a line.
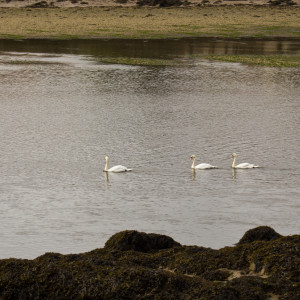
139	241
160	3
261	233
40	4
159	269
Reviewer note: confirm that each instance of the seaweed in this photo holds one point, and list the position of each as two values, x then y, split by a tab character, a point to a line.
137	265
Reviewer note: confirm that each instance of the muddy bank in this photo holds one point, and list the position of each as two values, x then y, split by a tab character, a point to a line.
135	265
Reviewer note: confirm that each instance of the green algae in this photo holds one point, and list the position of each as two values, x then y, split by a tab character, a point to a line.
29	62
261	60
136	61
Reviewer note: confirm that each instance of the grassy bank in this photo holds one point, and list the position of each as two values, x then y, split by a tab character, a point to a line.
261	60
132	22
282	61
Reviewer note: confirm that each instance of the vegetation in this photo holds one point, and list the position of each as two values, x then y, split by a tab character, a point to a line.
282	61
262	60
136	61
149	22
135	265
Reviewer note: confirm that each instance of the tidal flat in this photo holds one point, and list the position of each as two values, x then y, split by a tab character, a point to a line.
150	22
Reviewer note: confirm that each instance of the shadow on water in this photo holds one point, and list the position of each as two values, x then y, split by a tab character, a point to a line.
154	48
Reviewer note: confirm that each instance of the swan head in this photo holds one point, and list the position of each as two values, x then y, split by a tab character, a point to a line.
233	155
106	158
193	156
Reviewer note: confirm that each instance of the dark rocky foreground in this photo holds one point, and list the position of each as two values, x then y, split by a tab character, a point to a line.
135	265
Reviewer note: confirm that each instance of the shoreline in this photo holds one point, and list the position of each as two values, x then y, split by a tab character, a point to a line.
184	38
117	22
166	52
144	3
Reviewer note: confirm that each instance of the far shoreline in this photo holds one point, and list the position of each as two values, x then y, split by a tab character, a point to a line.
222	22
204	38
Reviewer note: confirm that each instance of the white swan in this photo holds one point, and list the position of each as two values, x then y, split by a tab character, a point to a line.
115	169
202	166
242	165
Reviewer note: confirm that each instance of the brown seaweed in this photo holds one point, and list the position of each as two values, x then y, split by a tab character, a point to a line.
135	265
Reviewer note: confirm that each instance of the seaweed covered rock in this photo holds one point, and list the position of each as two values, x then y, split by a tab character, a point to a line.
160	269
261	233
40	4
161	3
139	241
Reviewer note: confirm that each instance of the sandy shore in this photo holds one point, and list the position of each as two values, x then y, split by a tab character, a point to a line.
150	22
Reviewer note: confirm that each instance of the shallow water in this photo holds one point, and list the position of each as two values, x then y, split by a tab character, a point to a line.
60	114
154	48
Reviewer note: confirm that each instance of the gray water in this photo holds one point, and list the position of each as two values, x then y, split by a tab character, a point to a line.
61	114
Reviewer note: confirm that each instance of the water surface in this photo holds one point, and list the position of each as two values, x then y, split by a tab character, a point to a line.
155	48
60	114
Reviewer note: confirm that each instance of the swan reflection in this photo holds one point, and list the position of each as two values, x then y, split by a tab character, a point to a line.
106	177
193	174
233	173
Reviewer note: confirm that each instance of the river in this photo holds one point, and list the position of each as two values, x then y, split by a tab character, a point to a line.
62	112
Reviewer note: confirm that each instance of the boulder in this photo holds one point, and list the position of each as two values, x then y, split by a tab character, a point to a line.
261	233
139	241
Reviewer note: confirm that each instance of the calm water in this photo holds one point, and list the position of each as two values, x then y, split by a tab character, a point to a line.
60	114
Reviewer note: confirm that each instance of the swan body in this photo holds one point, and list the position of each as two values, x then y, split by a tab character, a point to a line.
115	169
242	165
202	166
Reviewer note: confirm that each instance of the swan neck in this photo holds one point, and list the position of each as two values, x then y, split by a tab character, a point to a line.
234	162
106	165
193	164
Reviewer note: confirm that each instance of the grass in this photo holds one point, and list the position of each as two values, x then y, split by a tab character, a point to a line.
261	60
138	61
28	62
11	36
131	22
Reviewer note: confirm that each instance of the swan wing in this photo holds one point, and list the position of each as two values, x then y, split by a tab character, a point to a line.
204	166
118	169
246	166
